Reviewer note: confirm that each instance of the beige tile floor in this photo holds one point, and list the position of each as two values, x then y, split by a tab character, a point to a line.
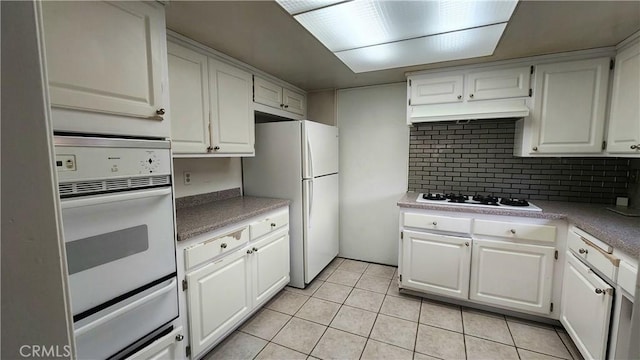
353	310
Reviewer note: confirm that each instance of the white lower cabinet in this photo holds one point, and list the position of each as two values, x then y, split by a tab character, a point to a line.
586	308
517	276
167	347
219	295
225	289
436	263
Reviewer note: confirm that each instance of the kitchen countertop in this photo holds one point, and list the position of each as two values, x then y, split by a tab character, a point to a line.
208	216
621	232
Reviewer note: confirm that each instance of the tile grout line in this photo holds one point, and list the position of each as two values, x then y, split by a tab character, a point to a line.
565	345
512	338
464	335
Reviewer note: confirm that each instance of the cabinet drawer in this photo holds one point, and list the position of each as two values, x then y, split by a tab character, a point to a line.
209	249
606	263
535	232
627	276
269	224
434	222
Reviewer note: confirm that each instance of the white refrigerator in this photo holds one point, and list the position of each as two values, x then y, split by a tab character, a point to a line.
298	161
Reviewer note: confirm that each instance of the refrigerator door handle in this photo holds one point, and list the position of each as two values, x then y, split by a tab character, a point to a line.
310	159
310	202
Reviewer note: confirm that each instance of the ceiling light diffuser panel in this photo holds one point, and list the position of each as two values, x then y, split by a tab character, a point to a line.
373	35
455	45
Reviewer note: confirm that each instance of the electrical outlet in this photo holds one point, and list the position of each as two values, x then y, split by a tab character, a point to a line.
186	177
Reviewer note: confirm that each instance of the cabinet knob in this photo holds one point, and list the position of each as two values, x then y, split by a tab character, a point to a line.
255	249
466	243
600	291
635	147
286	106
435	223
249	251
223	245
471	96
216	148
179	337
459	97
273	225
160	111
583	251
513	231
535	148
281	105
210	148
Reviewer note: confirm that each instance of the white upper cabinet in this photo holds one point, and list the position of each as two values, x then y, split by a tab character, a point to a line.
496	92
568	113
278	100
211	107
436	89
624	121
105	57
230	89
498	84
189	91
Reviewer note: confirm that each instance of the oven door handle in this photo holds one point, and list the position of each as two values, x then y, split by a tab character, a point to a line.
92	325
103	199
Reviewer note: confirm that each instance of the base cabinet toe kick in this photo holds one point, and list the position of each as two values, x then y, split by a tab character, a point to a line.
542	269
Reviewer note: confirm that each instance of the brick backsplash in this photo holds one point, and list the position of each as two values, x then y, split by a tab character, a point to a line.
477	157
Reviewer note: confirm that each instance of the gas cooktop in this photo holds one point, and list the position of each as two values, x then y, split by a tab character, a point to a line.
476	201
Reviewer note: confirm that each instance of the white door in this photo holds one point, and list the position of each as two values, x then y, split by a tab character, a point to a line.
569	106
319	149
167	347
586	308
267	93
293	101
320	224
219	295
624	122
189	99
436	264
105	56
518	276
231	109
436	89
498	84
270	265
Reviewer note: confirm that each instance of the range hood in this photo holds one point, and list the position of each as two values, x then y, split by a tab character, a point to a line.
505	108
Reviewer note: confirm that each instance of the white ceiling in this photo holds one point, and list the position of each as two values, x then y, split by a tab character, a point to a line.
262	34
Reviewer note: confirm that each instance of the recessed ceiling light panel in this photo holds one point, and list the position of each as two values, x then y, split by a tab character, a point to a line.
299	6
456	45
355	24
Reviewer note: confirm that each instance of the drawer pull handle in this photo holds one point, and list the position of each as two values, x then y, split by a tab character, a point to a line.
273	225
513	231
583	251
600	291
223	245
435	223
255	249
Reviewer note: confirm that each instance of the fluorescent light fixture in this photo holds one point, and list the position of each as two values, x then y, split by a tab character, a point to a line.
382	34
455	45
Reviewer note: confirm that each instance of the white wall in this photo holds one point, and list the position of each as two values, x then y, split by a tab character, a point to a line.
321	106
374	153
35	307
207	175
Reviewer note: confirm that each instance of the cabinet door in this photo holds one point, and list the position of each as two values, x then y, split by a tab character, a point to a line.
271	266
624	122
518	276
231	109
293	101
189	96
436	89
569	107
167	347
586	308
105	56
437	264
219	295
267	93
498	84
